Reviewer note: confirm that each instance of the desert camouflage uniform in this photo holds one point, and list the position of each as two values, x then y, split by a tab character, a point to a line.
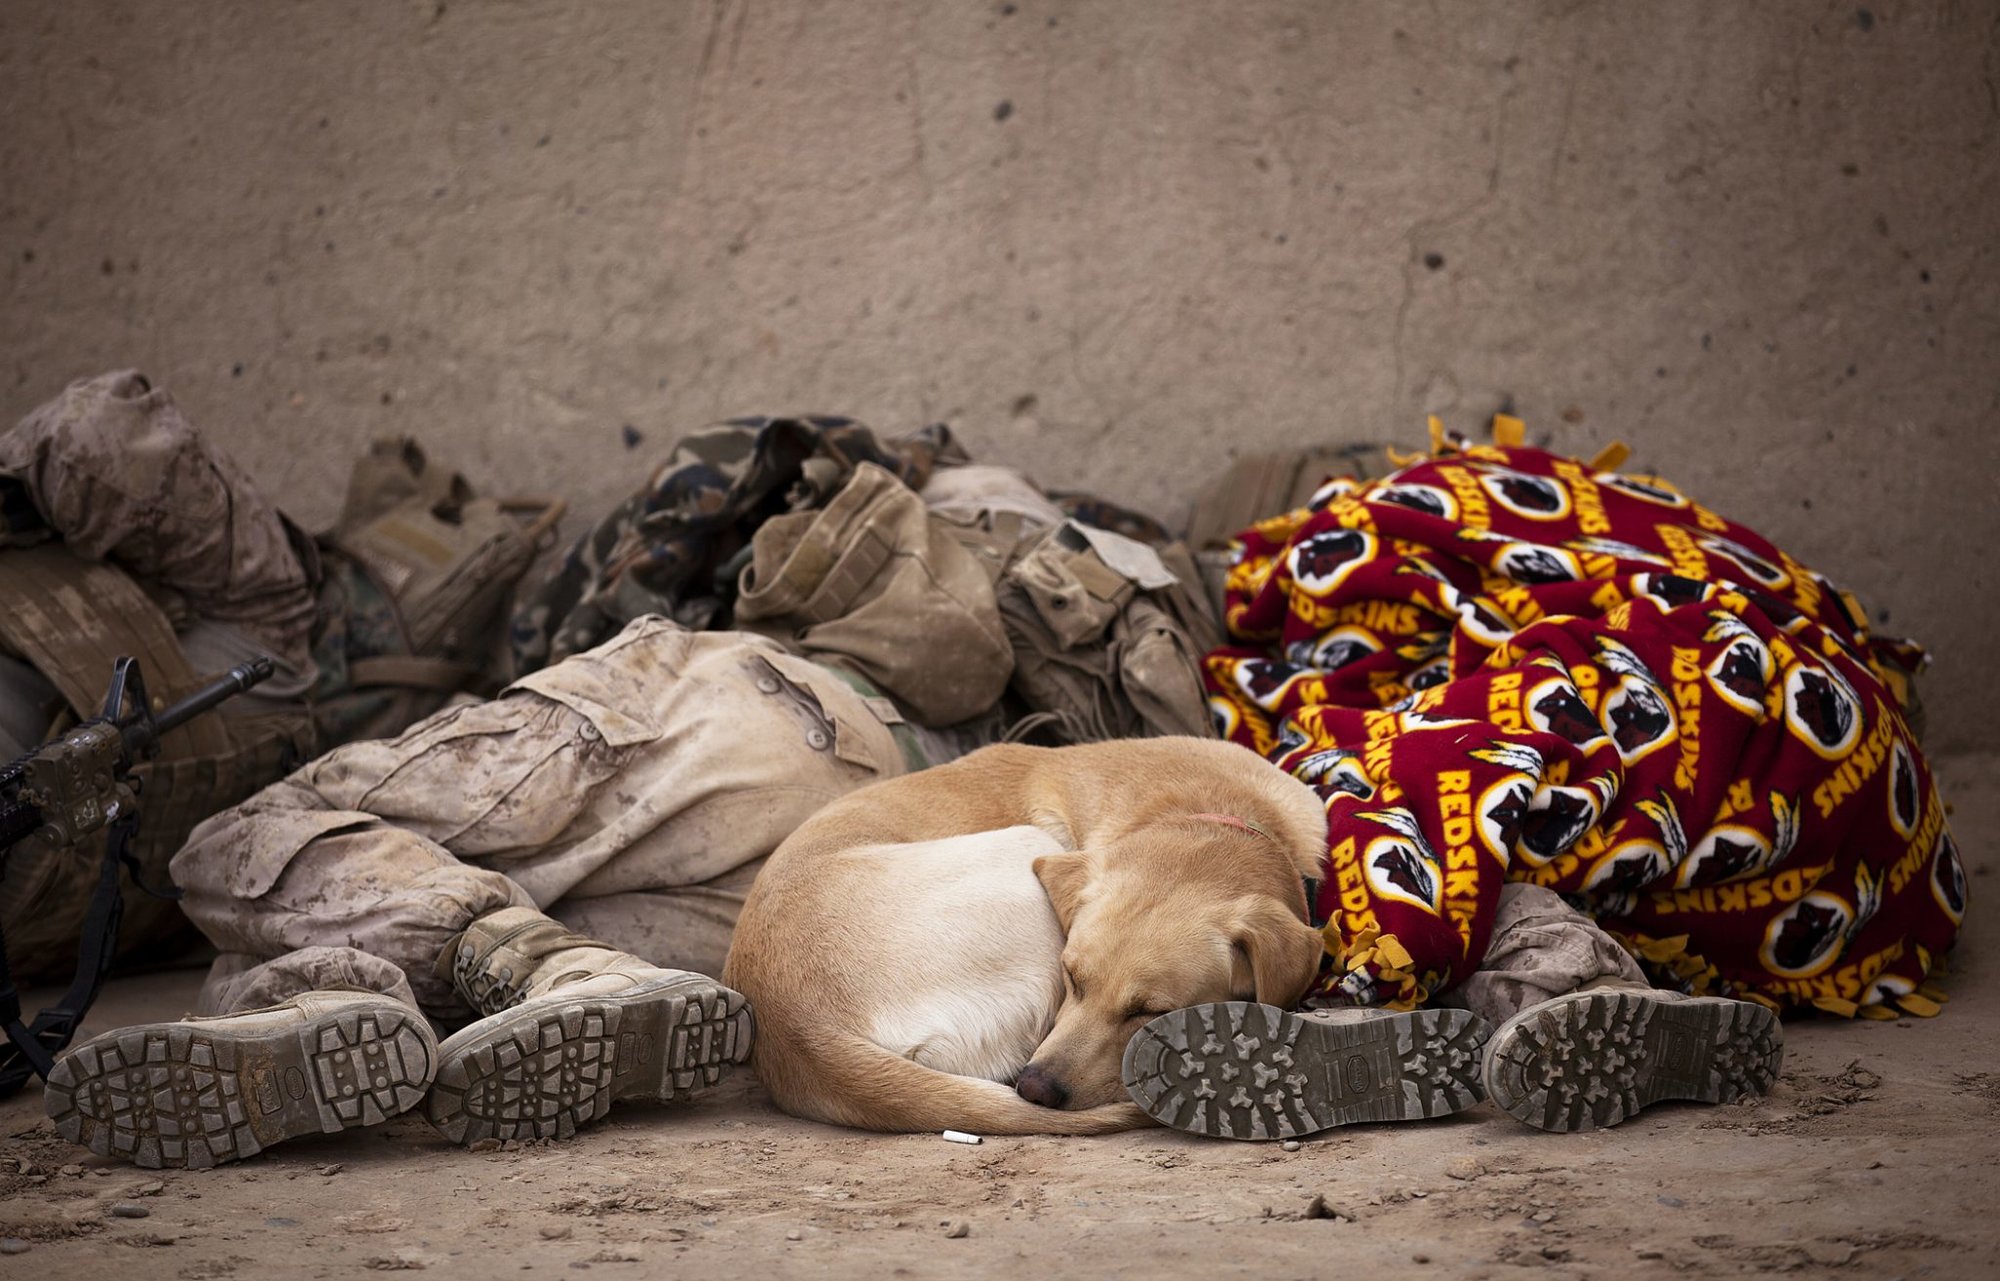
123	531
630	791
113	468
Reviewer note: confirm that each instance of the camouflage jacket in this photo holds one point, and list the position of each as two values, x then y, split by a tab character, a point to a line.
674	547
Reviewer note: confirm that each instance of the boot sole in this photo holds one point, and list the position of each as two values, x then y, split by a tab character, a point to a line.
194	1095
544	1068
1593	1059
1236	1070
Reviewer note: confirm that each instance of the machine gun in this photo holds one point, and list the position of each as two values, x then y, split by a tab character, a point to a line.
73	787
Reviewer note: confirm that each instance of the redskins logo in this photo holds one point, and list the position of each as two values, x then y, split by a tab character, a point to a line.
1650	488
1323	562
1266	681
1948	878
1762	571
1806	937
1554	707
1477	616
1867	898
1626	870
1290	737
1728	853
1556	818
1534	563
1784	615
1337	648
1741	673
1639	719
1397	869
1223	715
1503	809
1428	499
1822	711
1338	487
1435	672
1671	591
1905	804
1536	497
1334	772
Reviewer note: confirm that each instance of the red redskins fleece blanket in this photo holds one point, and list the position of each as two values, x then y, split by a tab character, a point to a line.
1498	662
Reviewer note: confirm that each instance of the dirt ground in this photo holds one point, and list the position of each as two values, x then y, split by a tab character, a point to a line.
1875	1157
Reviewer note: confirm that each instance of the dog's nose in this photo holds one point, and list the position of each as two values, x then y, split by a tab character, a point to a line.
1039	1085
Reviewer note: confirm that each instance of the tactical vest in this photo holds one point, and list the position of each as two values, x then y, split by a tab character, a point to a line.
1107	632
71	618
415	577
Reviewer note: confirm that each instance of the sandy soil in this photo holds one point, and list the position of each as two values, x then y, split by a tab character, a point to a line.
1876	1157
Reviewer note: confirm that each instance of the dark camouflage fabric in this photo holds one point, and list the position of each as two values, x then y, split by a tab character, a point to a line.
358	620
671	548
20	524
1102	513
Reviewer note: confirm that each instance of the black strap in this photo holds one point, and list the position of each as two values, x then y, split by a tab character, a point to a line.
33	1048
1313	918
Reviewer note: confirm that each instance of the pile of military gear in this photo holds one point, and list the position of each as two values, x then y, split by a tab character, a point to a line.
961	601
127	534
860	554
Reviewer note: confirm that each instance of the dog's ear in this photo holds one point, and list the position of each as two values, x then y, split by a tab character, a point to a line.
1284	951
1064	878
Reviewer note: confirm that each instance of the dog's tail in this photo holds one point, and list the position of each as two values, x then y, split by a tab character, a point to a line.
856	1082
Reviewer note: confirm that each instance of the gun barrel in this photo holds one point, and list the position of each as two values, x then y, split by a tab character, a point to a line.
226	686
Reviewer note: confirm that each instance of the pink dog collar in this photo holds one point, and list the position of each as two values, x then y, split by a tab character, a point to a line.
1230	820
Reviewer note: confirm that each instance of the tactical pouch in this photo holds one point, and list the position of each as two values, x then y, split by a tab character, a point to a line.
71	618
420	569
873	584
1107	639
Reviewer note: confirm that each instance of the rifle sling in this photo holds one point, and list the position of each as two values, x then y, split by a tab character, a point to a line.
34	1047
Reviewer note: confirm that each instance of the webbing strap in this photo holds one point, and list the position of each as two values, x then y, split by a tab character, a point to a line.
72	618
33	1047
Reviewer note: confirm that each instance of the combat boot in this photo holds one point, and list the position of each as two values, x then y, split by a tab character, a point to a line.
1237	1070
1594	1057
571	1026
203	1091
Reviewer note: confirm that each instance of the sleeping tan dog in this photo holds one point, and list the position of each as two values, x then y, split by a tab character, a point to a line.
1015	916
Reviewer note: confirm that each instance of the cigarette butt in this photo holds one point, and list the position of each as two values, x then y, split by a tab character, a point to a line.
960	1136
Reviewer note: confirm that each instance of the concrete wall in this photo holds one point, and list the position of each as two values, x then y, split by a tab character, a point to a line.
1113	242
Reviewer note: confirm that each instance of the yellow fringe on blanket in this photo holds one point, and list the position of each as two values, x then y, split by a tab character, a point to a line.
1389	957
1609	457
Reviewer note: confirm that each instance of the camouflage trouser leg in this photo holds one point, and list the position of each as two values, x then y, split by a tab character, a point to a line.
1541	947
239	982
629	791
114	468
